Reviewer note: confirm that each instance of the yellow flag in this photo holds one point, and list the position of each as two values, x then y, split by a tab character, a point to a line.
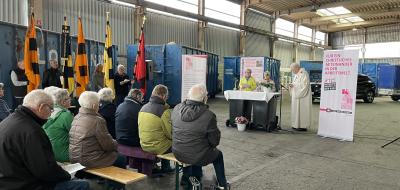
81	65
31	57
108	61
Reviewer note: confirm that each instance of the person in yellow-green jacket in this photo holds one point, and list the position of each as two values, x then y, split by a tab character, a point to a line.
59	123
247	83
155	126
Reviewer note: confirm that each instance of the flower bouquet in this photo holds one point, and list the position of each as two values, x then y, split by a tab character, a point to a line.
241	123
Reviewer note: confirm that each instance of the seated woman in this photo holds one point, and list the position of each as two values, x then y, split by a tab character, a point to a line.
90	143
59	123
4	109
107	109
267	82
247	83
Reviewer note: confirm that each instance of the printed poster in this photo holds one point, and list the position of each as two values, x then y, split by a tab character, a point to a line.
194	71
256	64
338	94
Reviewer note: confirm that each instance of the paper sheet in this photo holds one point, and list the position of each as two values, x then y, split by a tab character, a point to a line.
72	168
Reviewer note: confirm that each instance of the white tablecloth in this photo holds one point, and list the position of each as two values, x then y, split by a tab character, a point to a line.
248	95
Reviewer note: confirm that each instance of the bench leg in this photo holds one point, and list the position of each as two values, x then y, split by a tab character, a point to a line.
177	184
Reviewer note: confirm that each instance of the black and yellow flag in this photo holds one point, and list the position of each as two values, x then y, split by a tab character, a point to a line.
66	58
108	61
81	65
31	57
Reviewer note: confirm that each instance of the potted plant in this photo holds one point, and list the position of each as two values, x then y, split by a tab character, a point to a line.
267	87
241	123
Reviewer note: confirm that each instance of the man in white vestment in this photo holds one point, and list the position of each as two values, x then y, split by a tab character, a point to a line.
300	90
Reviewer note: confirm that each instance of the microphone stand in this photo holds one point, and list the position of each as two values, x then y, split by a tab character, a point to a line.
280	109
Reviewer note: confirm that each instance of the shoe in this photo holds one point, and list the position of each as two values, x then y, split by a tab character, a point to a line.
295	129
227	186
302	129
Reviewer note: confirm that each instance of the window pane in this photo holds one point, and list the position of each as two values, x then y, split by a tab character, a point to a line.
284	24
284	32
305	31
223	10
185	5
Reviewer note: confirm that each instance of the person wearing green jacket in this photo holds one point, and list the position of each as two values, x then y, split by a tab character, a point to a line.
59	123
155	126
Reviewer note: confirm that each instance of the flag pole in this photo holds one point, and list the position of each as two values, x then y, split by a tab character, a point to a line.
141	31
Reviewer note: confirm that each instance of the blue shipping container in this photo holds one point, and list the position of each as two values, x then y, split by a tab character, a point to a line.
167	68
314	69
232	71
389	76
371	70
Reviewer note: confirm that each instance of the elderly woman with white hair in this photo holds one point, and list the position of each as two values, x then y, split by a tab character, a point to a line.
108	108
59	123
90	143
267	84
196	136
121	84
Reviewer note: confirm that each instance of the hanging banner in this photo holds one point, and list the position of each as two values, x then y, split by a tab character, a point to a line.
255	64
194	71
338	94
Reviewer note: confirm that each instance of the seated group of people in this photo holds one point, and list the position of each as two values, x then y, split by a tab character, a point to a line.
42	132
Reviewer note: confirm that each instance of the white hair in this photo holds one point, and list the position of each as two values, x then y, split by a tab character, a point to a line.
198	93
88	98
60	95
106	94
50	90
36	97
121	67
294	65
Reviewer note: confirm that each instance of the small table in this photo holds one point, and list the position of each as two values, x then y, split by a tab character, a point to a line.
262	104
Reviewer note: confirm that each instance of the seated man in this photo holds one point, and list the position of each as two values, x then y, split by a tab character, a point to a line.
247	83
126	119
196	135
31	163
155	130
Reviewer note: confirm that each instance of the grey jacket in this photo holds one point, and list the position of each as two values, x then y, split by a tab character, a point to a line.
195	134
89	141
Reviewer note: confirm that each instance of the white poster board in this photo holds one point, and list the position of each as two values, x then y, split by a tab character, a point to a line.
256	64
194	71
338	94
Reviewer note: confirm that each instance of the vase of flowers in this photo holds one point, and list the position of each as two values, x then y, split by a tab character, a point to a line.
266	87
241	123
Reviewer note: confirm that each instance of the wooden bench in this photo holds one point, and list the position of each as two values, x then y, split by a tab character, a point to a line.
119	175
178	166
139	159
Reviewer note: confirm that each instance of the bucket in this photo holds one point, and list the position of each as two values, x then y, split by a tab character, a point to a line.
241	127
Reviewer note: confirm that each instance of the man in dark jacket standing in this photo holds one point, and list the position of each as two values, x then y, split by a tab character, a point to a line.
26	156
126	119
20	83
195	135
51	77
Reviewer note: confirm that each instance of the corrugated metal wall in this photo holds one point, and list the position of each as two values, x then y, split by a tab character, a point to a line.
388	33
379	34
161	29
14	11
223	42
304	52
319	54
93	13
257	45
284	52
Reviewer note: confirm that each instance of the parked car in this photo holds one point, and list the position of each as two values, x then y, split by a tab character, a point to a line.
365	89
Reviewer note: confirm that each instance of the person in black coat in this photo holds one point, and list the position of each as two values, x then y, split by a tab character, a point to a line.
126	119
121	84
51	77
107	109
26	156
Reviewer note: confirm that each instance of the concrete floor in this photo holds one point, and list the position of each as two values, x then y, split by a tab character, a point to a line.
295	160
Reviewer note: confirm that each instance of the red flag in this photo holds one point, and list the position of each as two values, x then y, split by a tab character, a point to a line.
140	69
